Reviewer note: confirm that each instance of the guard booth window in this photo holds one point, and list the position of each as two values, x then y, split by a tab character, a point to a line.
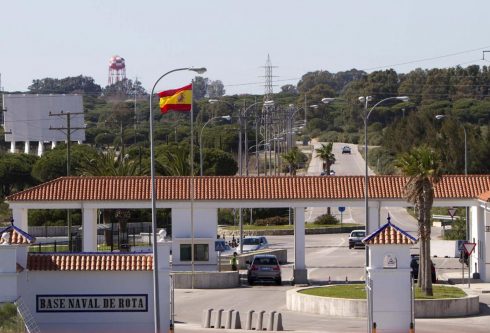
201	252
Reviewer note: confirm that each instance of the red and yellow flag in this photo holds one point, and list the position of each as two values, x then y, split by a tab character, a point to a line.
179	99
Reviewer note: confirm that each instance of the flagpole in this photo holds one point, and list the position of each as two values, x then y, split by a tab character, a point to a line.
191	178
156	302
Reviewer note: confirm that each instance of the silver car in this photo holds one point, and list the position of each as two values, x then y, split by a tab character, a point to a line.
264	267
254	243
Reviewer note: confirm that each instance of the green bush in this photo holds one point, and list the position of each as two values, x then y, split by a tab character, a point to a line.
9	319
274	220
457	231
326	219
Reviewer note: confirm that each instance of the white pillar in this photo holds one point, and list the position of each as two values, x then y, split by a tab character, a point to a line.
12	147
27	148
163	249
40	148
20	218
89	226
53	144
300	273
485	246
476	222
374	215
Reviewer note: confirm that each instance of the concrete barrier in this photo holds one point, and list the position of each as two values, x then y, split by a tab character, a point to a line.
342	307
206	280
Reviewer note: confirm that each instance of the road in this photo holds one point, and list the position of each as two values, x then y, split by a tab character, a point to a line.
353	165
328	259
326	256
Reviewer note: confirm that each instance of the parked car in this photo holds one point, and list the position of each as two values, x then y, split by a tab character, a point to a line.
264	267
346	150
324	173
254	243
414	265
356	237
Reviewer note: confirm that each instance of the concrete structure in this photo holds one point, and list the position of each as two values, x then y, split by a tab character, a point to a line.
83	292
389	281
92	193
343	307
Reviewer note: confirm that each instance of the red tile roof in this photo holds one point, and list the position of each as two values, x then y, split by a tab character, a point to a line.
17	236
389	234
244	188
89	262
484	196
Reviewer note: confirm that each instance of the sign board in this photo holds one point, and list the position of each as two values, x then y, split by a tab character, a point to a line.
92	303
451	211
219	246
389	261
341	209
469	247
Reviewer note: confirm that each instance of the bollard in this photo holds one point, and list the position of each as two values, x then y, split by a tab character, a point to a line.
248	325
236	323
270	325
374	328
346	280
229	315
412	328
207	318
329	279
260	321
217	323
278	323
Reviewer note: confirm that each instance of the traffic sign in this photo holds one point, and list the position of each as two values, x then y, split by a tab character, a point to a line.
469	247
341	209
219	246
451	211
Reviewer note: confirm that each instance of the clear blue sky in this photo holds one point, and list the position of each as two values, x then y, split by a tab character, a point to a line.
60	38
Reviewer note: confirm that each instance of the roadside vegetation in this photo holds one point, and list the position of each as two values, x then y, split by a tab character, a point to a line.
10	321
358	291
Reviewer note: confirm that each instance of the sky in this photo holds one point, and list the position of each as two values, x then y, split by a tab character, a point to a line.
232	38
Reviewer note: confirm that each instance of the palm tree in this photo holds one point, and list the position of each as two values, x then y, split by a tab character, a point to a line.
422	166
293	158
328	158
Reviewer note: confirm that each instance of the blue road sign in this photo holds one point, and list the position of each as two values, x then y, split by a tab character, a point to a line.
341	209
219	246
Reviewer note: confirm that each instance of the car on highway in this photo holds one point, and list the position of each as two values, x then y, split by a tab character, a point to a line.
355	238
264	267
414	265
346	150
253	243
325	173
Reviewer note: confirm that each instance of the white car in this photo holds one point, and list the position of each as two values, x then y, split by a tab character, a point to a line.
356	237
254	243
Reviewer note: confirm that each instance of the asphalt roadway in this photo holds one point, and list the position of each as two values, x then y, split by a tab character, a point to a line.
327	256
328	260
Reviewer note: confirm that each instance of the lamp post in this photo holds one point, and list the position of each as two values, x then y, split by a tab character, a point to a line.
156	304
367	112
200	140
442	116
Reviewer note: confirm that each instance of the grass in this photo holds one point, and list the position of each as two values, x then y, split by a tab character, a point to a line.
10	322
357	291
290	227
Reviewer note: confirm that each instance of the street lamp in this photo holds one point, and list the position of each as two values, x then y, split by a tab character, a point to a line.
156	304
367	112
228	118
442	116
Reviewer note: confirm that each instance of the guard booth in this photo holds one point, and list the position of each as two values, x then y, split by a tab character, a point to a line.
389	282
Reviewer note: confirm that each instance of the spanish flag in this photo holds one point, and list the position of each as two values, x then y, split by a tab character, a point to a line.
179	99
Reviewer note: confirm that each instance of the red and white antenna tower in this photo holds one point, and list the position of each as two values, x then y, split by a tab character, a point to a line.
117	69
